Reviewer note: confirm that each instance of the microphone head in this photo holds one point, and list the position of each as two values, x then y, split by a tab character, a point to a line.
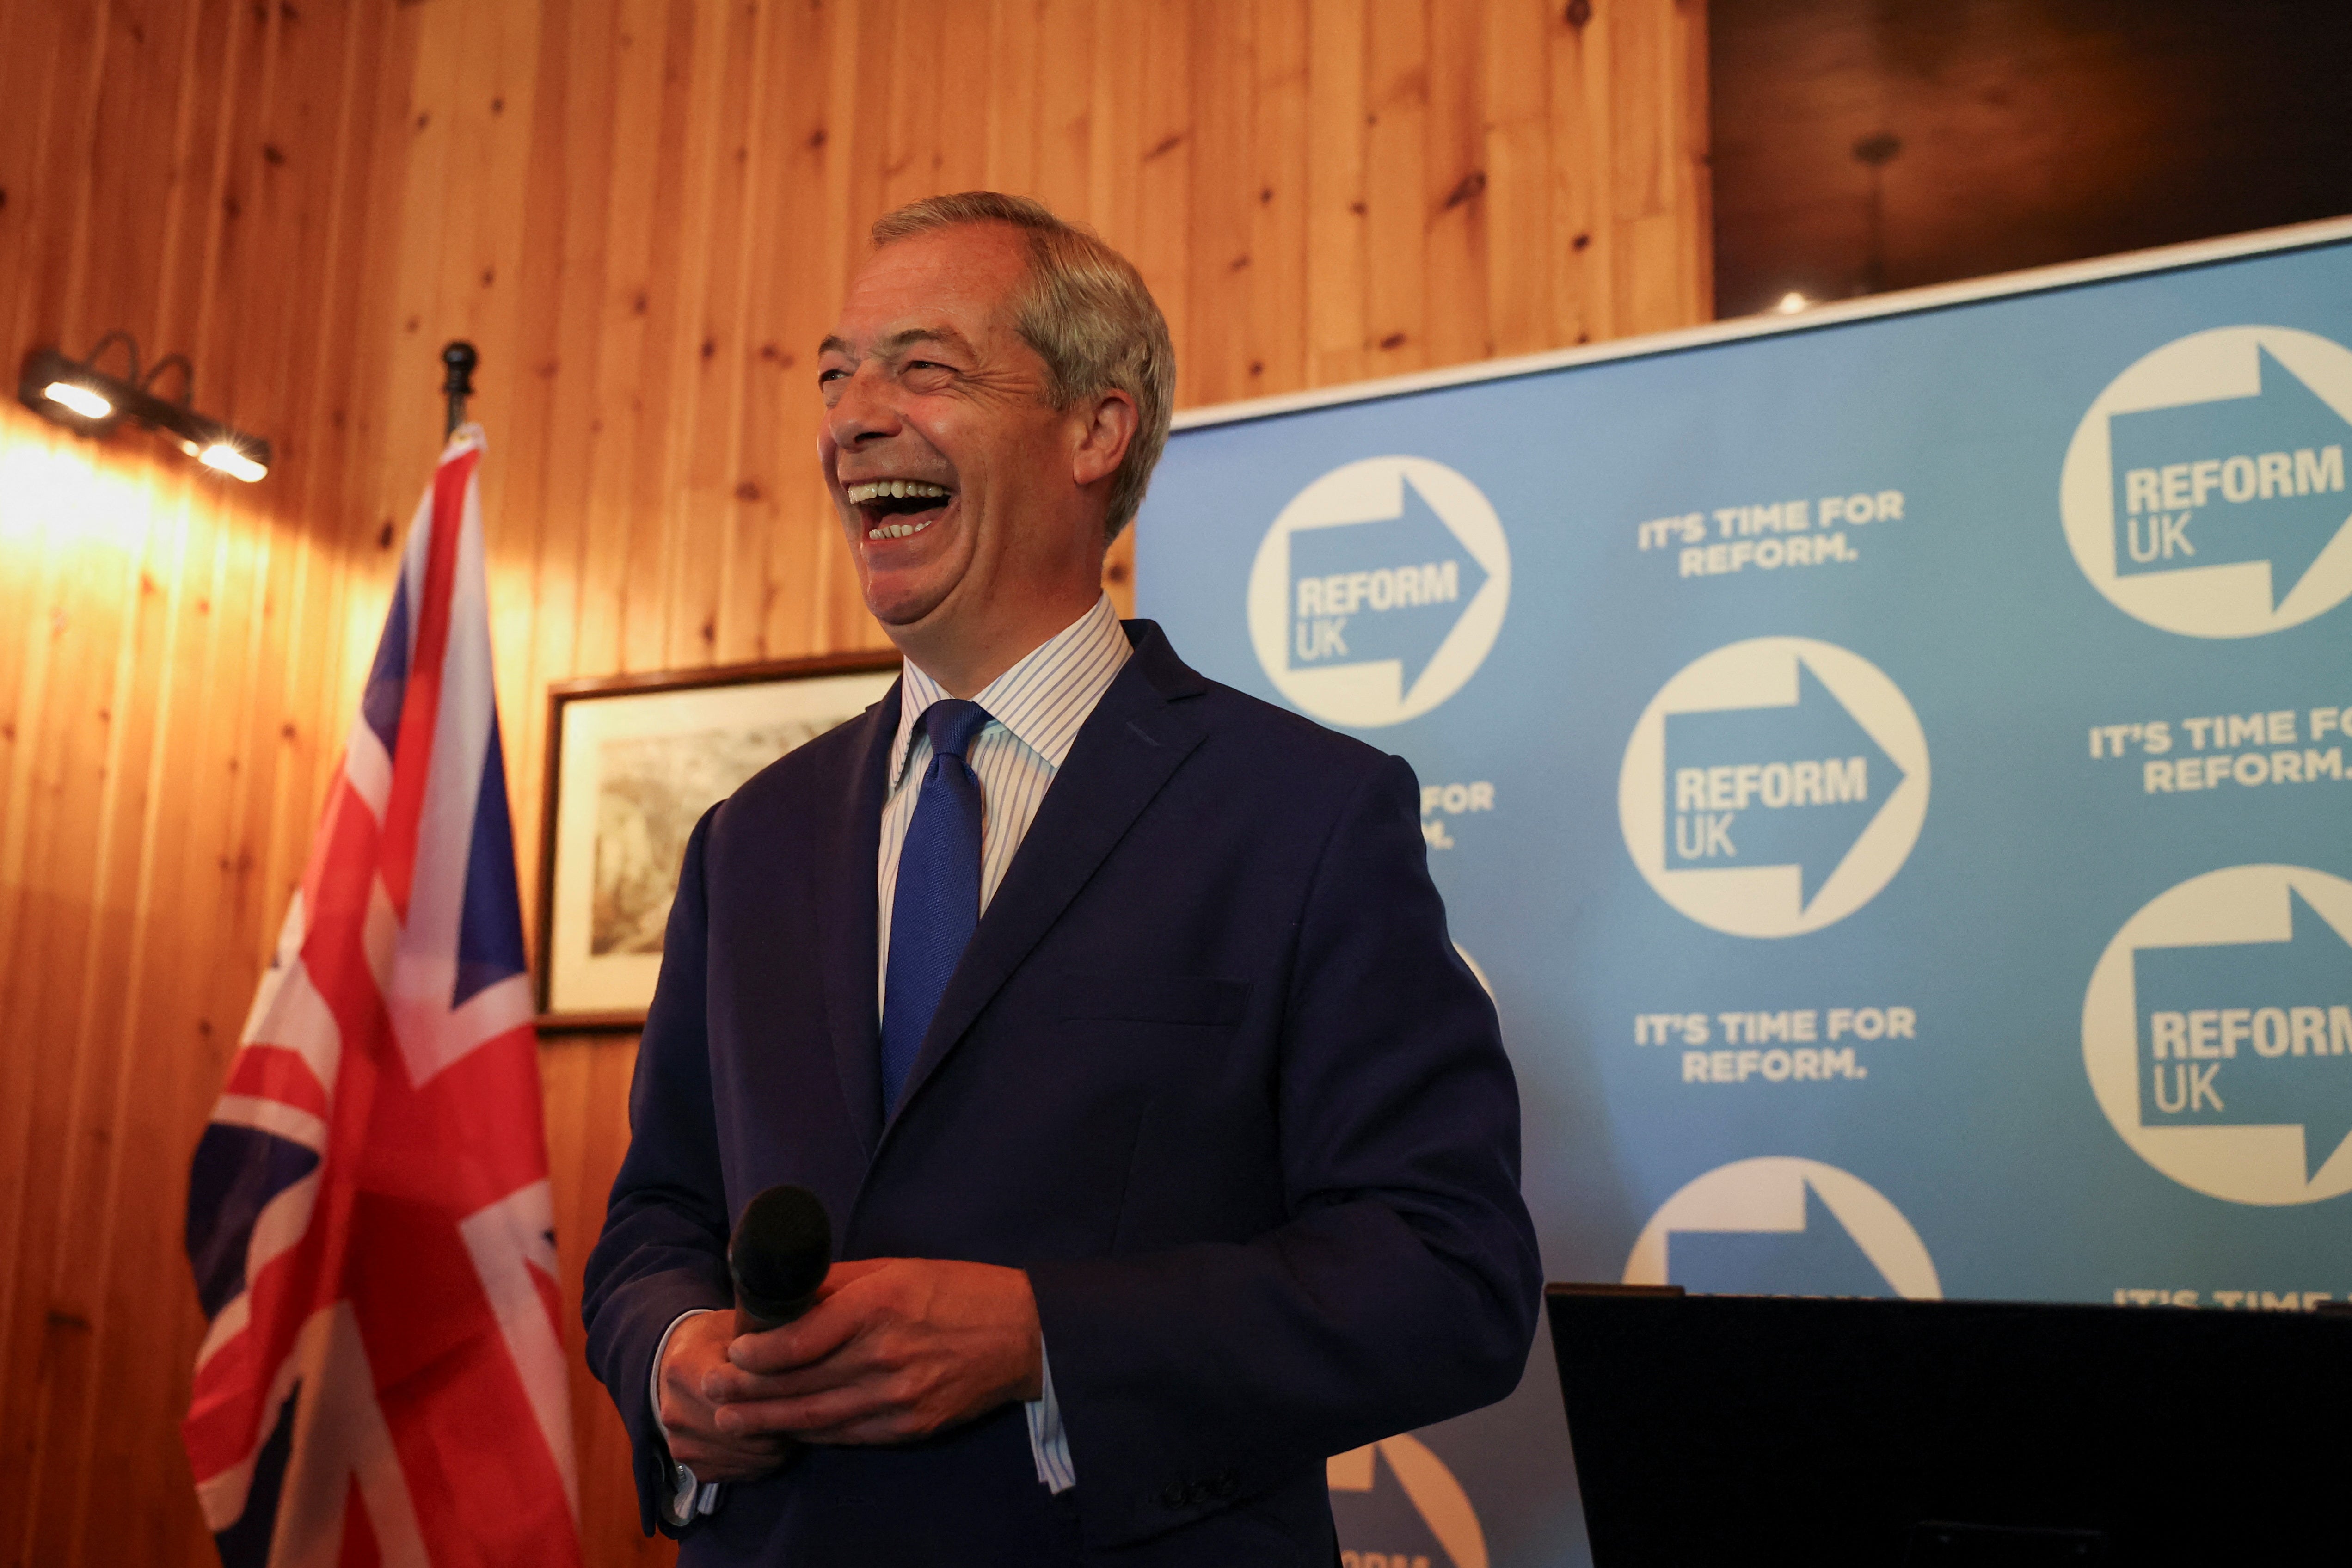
782	1247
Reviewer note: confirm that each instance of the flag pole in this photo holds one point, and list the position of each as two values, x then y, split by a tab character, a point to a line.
460	358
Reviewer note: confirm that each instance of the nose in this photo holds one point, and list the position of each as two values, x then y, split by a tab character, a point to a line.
864	410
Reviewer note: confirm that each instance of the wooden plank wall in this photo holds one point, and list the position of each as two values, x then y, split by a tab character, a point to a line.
206	175
642	212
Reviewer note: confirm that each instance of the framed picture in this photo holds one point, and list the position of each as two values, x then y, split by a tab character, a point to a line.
633	763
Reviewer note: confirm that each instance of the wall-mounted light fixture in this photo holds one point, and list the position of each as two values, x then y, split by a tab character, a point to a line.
79	395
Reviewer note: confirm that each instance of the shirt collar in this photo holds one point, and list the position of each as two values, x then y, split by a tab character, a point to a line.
1043	701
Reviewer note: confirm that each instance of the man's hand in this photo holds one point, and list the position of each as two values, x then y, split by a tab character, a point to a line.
697	1350
895	1349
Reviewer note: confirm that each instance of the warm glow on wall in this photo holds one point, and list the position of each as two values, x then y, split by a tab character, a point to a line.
56	489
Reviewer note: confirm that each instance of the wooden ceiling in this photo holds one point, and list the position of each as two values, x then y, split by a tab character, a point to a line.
1863	145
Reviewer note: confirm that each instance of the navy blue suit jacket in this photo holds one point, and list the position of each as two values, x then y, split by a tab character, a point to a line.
1211	1071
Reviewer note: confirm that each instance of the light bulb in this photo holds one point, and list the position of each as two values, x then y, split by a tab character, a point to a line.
80	399
1791	302
220	455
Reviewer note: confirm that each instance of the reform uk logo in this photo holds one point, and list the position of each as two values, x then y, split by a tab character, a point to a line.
2205	492
1783	1226
1773	786
2217	1030
1379	591
1397	1505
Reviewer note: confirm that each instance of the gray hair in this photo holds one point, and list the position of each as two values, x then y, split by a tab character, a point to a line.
1087	314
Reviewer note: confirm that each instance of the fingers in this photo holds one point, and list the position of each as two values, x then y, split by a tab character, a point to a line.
847	1348
824	1329
896	1407
816	1333
894	1348
816	1417
729	1386
696	1347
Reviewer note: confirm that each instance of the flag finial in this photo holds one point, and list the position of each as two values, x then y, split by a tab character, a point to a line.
461	358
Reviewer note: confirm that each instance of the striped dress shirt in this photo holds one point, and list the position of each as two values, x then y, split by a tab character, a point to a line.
1035	710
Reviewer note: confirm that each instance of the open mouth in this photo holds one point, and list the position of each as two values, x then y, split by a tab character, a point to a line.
896	509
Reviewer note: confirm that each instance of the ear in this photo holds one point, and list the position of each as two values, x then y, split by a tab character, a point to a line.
1102	428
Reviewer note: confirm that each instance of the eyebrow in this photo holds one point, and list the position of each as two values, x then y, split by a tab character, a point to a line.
900	340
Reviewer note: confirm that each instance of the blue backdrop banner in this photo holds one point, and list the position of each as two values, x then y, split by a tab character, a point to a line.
1893	773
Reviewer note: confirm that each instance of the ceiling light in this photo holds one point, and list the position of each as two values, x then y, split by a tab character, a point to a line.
79	395
1791	303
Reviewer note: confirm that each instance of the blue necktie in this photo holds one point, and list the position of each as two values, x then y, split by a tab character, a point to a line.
937	902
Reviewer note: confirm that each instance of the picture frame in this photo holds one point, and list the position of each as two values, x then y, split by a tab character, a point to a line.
632	762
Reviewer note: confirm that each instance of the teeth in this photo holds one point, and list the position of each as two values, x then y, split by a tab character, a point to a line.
896	529
877	489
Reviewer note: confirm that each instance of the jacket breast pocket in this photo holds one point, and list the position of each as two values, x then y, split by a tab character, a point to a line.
1199	1000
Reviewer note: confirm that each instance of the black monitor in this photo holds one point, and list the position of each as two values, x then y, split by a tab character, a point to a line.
1824	1431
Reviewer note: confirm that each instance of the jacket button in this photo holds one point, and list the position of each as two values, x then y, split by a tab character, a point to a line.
1225	1486
1173	1496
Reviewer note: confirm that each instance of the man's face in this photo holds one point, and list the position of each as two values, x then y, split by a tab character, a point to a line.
951	473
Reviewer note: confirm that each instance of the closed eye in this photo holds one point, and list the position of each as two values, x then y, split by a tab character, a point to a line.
928	375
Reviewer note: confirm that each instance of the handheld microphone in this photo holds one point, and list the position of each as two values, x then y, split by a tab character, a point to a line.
780	1250
778	1256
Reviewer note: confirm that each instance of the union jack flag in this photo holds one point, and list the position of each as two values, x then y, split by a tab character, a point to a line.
383	1381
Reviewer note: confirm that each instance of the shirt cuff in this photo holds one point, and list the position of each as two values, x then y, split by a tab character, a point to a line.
1048	1444
688	1498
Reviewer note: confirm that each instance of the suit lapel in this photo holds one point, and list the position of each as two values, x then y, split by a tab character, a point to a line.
848	917
1137	737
